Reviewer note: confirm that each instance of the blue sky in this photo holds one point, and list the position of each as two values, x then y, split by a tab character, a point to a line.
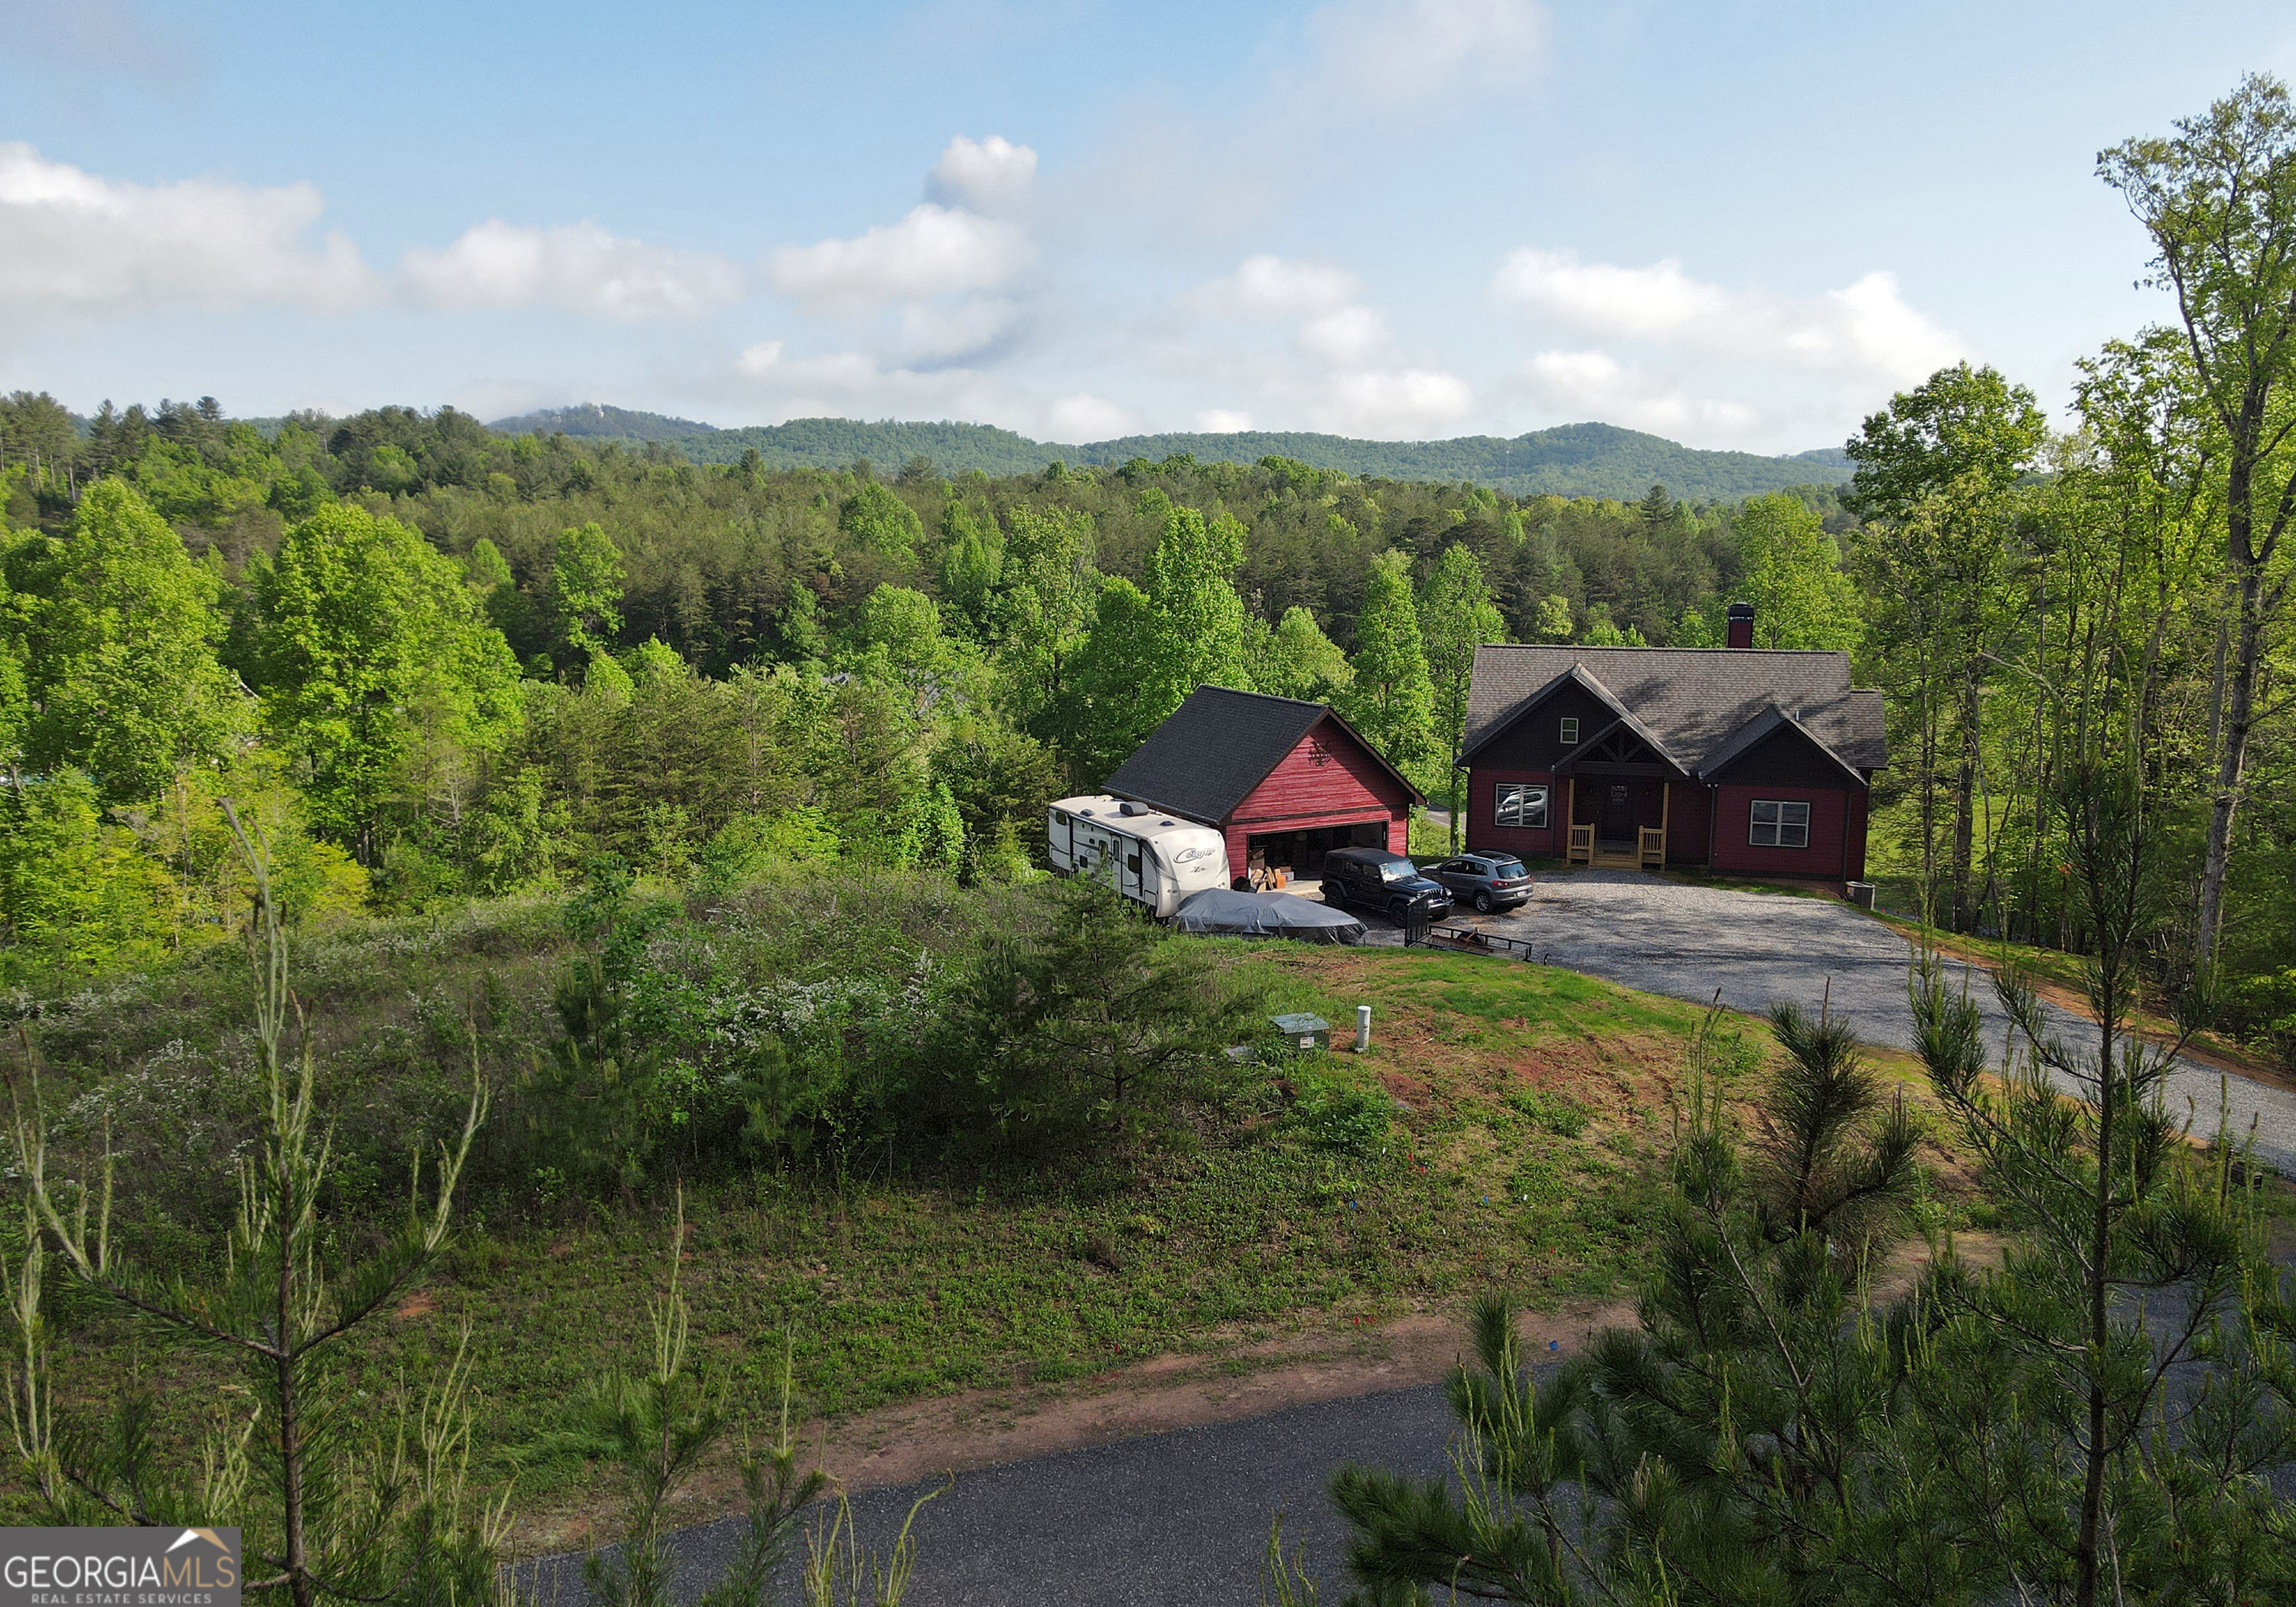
1733	225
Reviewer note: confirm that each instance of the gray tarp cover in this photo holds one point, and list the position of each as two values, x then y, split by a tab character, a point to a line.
1267	915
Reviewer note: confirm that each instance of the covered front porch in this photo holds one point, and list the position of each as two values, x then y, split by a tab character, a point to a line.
1602	843
1620	798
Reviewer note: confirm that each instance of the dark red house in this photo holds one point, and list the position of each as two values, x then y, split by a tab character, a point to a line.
1283	780
1735	758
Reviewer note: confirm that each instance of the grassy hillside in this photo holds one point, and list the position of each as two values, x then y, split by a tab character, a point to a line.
1570	460
1509	1124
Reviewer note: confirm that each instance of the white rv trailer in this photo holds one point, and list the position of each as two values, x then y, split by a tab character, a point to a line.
1155	858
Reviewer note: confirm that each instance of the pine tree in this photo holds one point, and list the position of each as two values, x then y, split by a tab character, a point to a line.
330	1512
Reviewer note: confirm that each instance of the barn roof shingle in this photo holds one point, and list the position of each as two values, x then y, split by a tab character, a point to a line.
1206	759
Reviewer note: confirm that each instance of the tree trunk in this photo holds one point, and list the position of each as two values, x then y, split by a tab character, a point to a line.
2232	754
1964	802
299	1582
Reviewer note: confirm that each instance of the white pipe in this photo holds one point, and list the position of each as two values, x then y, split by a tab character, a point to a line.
1362	1029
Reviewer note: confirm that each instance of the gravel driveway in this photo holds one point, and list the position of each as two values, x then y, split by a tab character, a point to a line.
1173	1518
1666	937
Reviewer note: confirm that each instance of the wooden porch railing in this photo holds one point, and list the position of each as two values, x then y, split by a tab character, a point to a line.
1582	844
1653	848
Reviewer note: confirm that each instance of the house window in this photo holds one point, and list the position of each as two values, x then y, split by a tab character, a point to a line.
1778	824
1569	729
1520	805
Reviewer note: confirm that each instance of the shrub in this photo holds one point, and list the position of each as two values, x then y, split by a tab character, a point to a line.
1093	1024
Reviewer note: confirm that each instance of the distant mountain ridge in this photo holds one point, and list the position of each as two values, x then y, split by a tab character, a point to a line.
1570	460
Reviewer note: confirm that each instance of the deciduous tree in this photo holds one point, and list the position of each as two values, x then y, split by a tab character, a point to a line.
367	639
123	632
1793	574
2218	198
1456	616
1392	701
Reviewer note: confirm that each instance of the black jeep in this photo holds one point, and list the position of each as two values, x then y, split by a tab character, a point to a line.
1381	880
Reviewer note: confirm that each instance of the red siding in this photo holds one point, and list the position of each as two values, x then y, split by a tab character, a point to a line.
1481	805
1686	823
1327	780
1829	818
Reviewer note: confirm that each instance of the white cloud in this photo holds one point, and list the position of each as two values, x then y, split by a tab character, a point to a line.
1868	326
941	286
1865	331
935	251
580	267
856	384
73	242
1085	417
844	372
1346	371
1400	52
932	332
1596	385
1269	287
1223	421
1660	300
991	177
1346	337
1392	403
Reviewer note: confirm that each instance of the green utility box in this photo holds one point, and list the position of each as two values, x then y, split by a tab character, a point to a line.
1303	1033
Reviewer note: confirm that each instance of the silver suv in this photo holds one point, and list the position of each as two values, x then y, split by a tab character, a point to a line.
1489	881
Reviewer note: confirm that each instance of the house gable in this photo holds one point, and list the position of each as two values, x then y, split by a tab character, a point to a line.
1531	739
1777	750
1331	771
1625	747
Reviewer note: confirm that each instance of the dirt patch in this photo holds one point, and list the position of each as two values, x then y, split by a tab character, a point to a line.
986	1428
421	1303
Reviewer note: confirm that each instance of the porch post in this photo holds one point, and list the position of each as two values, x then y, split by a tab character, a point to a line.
1665	803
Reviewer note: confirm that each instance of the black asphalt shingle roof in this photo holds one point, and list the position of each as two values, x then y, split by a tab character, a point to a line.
1217	747
1695	701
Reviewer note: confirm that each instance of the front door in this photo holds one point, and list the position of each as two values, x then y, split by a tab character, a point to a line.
1618	821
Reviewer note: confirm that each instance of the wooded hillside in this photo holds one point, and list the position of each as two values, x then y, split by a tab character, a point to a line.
1570	460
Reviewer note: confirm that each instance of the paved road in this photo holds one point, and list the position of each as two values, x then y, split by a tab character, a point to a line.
1685	941
1177	1519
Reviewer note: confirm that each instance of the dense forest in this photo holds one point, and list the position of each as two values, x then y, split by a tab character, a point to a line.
461	661
458	661
1570	460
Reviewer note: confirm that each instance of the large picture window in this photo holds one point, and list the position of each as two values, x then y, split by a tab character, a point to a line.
1779	824
1520	805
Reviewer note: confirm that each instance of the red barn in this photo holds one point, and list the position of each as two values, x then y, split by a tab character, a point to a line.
1283	780
1735	758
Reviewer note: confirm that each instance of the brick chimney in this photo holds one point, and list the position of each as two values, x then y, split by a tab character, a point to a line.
1742	626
